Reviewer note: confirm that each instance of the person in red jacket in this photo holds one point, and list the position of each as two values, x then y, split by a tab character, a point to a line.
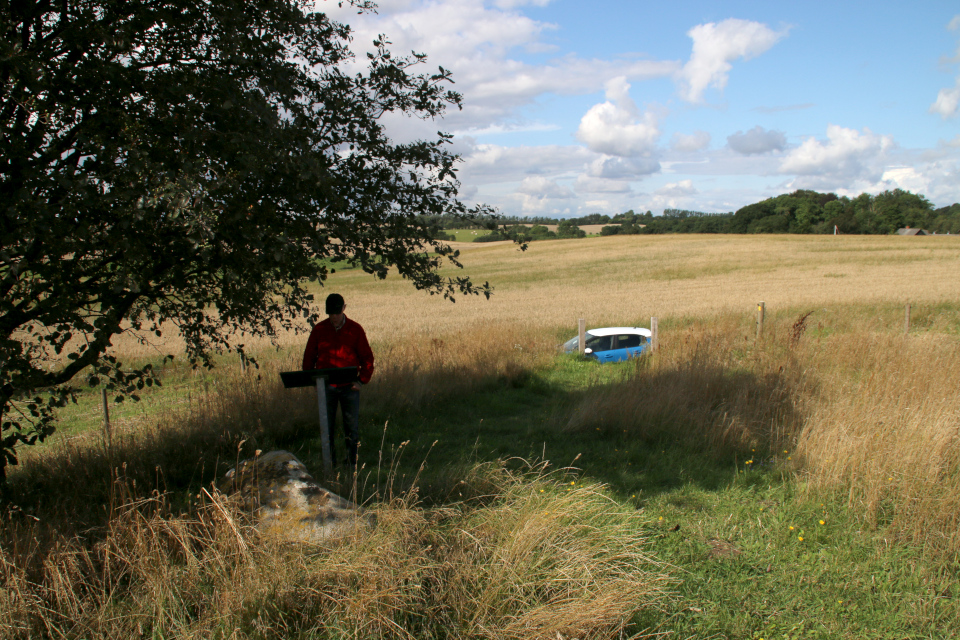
338	341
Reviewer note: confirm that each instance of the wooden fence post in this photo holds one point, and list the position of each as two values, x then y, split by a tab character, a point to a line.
654	333
582	334
761	310
106	417
906	320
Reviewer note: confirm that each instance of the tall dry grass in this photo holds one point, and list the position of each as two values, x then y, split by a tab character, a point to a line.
885	429
709	386
527	559
872	416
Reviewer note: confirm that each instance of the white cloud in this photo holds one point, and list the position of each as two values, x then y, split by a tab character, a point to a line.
757	140
475	41
938	180
490	163
953	142
677	189
907	178
847	154
591	184
715	46
949	99
506	93
542	188
694	142
616	168
672	195
616	127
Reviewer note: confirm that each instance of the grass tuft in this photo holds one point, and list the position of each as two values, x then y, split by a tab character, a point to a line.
535	558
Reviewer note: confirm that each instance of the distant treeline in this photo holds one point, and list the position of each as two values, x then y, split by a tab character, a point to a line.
812	212
523	233
807	212
797	212
453	222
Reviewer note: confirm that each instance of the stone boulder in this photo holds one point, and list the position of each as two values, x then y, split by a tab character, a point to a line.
289	503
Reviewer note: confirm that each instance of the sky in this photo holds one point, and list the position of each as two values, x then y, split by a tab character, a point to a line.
573	107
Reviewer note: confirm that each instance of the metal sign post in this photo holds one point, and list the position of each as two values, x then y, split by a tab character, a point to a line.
324	425
319	378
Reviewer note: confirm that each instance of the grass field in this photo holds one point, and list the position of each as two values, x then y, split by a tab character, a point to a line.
801	485
626	280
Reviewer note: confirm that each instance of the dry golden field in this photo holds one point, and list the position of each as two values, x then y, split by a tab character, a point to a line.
626	280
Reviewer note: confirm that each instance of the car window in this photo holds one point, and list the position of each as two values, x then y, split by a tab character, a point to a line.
599	343
630	340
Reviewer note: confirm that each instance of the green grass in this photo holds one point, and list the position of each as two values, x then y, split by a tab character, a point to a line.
466	235
722	521
748	574
179	385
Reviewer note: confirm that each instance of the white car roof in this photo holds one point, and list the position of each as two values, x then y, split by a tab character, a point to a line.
618	331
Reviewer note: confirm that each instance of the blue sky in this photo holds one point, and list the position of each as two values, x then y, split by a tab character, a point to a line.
573	108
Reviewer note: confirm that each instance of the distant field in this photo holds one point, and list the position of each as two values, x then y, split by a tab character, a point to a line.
591	229
626	280
467	235
614	280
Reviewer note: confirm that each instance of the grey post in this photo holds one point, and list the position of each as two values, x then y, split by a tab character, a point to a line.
324	426
582	334
654	333
761	310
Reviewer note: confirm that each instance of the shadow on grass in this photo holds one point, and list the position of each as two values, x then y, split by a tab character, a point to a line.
640	429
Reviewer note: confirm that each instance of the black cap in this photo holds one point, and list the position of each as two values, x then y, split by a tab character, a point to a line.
334	303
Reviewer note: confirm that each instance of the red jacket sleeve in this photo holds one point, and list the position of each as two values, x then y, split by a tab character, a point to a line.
365	355
310	353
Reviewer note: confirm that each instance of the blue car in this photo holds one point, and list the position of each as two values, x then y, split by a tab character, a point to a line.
611	344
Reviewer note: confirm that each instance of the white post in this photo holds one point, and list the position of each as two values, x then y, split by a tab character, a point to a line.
582	333
324	427
654	333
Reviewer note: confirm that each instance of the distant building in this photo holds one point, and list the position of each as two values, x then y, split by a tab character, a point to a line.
907	231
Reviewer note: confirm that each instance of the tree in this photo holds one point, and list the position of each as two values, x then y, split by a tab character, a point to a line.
747	215
567	229
166	161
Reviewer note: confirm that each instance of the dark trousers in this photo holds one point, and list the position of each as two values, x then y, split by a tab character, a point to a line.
348	400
